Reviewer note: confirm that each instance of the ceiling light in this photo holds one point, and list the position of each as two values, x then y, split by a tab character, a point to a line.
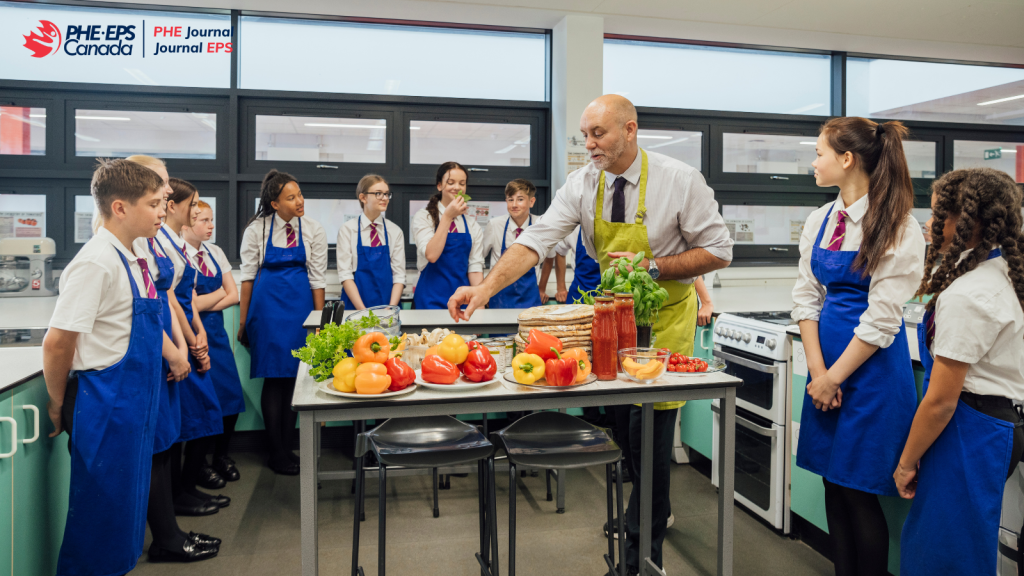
1009	151
113	118
37	115
86	138
669	143
1017	97
414	127
371	127
809	143
506	149
654	137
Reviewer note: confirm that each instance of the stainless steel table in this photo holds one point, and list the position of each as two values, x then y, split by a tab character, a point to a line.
486	321
315	407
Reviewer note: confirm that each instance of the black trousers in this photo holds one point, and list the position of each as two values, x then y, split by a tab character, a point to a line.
664	422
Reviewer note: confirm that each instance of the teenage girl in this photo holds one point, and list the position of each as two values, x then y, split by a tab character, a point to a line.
216	291
449	246
861	258
371	251
284	273
200	409
966	438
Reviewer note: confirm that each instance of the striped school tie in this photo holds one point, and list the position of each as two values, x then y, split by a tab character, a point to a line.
203	268
292	240
146	280
837	237
518	232
374	237
453	228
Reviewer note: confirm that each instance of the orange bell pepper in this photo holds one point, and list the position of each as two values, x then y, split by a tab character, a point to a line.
372	347
580	356
543	344
372	378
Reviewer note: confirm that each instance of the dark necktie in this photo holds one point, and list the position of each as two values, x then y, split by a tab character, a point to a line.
619	200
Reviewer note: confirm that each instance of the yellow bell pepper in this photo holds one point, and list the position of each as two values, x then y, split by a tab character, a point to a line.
345	375
527	368
453	349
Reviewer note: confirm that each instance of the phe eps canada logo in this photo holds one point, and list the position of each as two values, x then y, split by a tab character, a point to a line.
44	40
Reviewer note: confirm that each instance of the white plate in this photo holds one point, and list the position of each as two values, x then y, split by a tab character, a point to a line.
327	387
461	384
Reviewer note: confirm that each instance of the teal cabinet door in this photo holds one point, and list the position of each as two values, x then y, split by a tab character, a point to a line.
703	344
7	437
695	419
42	471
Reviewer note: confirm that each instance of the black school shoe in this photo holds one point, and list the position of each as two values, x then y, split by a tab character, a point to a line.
210	479
186	505
204	540
283	466
189	552
225	466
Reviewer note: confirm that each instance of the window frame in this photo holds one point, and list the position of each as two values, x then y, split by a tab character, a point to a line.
52	133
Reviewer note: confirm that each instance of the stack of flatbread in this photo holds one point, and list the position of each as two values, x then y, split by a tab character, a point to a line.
570	323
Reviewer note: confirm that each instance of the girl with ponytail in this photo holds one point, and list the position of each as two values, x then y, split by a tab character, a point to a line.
284	273
861	258
966	439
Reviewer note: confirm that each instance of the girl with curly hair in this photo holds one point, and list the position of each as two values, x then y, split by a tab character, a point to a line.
966	438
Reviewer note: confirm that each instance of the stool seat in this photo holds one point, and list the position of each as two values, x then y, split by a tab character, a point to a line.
557	440
425	442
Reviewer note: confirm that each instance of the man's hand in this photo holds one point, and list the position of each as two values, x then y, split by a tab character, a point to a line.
53	410
705	313
561	296
643	263
472	297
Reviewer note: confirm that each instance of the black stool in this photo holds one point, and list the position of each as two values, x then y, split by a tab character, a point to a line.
427	442
553	440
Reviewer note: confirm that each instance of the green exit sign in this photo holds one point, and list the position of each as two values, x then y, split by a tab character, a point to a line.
994	154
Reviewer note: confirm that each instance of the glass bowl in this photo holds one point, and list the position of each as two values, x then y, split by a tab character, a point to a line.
388	319
633	360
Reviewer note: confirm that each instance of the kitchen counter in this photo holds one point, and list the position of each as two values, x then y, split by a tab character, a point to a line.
26	312
20	364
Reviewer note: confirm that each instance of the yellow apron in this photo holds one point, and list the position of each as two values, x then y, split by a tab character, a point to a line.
677	319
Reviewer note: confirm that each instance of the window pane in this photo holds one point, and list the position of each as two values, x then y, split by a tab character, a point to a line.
768	154
85	207
920	158
22	131
121	133
22	215
683	146
104	46
766	224
998	155
333	213
310	139
469	143
665	75
400	60
904	90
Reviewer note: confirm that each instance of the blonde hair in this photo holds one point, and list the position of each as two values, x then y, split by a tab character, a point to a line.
147	161
367	182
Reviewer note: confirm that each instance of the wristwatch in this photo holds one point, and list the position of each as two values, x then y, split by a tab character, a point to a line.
652	268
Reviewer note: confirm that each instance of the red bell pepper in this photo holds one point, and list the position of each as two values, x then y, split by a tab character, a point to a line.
401	374
473	345
544	345
560	372
479	365
437	370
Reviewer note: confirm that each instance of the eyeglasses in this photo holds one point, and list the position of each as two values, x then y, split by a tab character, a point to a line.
380	195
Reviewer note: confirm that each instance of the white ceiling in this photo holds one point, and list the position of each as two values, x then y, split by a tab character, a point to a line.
983	30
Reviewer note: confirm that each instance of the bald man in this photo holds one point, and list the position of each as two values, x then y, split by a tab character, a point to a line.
628	201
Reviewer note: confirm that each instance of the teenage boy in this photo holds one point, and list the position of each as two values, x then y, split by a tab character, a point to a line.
520	196
102	364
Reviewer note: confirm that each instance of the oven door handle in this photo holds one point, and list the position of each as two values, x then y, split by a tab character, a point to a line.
768	368
771	432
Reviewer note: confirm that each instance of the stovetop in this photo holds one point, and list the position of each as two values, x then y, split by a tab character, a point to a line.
759	333
779	318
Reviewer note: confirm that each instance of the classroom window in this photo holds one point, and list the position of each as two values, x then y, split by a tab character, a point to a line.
938	92
85	209
122	133
22	215
356	58
1005	156
679	144
469	143
22	131
920	158
668	75
766	224
768	153
316	139
333	214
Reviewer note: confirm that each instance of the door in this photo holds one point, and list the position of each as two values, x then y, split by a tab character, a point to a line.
7	438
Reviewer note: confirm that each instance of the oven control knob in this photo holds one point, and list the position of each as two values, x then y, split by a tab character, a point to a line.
719	330
733	334
771	343
746	337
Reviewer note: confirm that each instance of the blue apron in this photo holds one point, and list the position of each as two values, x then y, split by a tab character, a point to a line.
953	524
586	275
200	411
111	452
281	301
223	371
859	444
168	419
439	280
373	275
523	293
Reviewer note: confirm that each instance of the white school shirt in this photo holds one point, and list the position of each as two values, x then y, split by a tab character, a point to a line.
979	321
141	248
314	239
893	283
174	249
348	247
95	300
681	210
494	232
567	248
423	231
211	252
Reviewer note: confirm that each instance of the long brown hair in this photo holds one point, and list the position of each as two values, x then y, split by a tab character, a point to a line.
983	198
367	182
442	171
878	149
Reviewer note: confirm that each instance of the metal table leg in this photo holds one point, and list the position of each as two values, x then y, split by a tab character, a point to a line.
309	433
646	482
560	494
726	477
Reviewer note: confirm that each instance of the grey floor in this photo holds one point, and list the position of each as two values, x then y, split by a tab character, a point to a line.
261	529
